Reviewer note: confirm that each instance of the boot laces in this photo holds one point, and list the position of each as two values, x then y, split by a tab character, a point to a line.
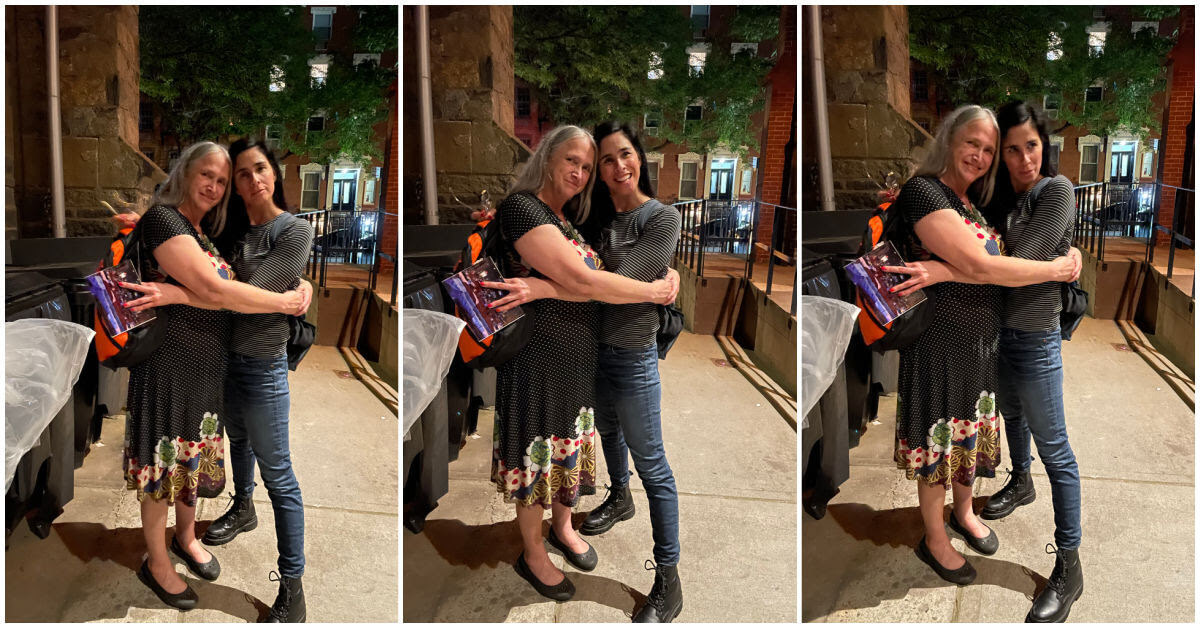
1058	576
283	601
658	592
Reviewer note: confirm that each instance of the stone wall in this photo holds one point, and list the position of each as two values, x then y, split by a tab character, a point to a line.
471	63
867	87
98	85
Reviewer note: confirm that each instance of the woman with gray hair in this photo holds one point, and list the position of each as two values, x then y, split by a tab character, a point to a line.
946	419
544	437
174	452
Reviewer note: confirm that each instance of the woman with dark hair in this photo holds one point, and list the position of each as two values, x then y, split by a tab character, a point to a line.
173	449
946	425
268	251
1037	227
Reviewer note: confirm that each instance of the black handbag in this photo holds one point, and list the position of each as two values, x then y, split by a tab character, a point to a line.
670	324
1074	306
301	334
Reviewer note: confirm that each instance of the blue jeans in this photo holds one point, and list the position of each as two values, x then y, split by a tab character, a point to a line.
1030	398
256	421
628	394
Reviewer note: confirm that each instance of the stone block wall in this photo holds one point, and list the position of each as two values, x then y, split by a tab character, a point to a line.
471	66
867	89
99	99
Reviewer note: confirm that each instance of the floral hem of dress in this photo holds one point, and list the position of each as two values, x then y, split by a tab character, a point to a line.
553	469
955	450
182	470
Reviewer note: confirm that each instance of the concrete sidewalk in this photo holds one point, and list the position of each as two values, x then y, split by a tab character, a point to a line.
734	460
1134	440
343	450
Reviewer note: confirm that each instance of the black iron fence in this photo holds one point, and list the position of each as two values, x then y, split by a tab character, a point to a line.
729	227
343	237
1129	210
380	256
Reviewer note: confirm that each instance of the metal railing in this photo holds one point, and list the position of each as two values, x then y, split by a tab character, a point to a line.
342	237
379	256
730	227
1129	210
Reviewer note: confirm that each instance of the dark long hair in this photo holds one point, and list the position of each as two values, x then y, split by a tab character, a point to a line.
237	221
603	211
1012	115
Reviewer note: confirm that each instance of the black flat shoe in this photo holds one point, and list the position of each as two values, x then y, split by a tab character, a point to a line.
209	571
184	600
962	576
583	562
986	546
560	592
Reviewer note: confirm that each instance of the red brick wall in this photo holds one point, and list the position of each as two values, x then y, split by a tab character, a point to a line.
782	98
1179	111
390	235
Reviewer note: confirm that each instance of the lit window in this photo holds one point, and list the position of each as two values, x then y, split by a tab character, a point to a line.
277	84
656	64
737	47
1088	163
311	190
687	179
369	192
1054	48
1096	38
696	56
1137	26
318	72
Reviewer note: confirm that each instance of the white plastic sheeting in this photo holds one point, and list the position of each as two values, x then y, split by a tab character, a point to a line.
430	340
825	330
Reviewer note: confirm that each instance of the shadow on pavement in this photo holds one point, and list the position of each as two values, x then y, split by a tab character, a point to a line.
901	527
475	546
121	552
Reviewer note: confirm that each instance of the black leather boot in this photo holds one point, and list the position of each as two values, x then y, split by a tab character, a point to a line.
1017	492
617	506
239	518
666	596
289	604
1064	587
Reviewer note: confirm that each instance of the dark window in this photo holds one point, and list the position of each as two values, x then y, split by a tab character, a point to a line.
522	102
1089	167
652	170
1094	94
527	139
920	85
316	123
145	119
651	123
693	112
322	28
310	190
924	123
700	21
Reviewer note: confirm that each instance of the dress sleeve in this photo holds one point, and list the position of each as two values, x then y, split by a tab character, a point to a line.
919	198
161	223
280	269
518	213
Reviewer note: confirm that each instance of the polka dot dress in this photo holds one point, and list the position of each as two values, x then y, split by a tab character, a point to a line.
543	447
173	444
946	419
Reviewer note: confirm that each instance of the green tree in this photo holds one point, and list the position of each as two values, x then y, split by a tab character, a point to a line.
989	55
591	64
232	72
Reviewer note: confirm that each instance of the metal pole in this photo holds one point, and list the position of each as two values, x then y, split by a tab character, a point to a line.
58	215
820	107
428	165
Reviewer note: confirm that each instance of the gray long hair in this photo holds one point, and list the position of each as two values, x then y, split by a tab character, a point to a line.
174	190
938	160
533	175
